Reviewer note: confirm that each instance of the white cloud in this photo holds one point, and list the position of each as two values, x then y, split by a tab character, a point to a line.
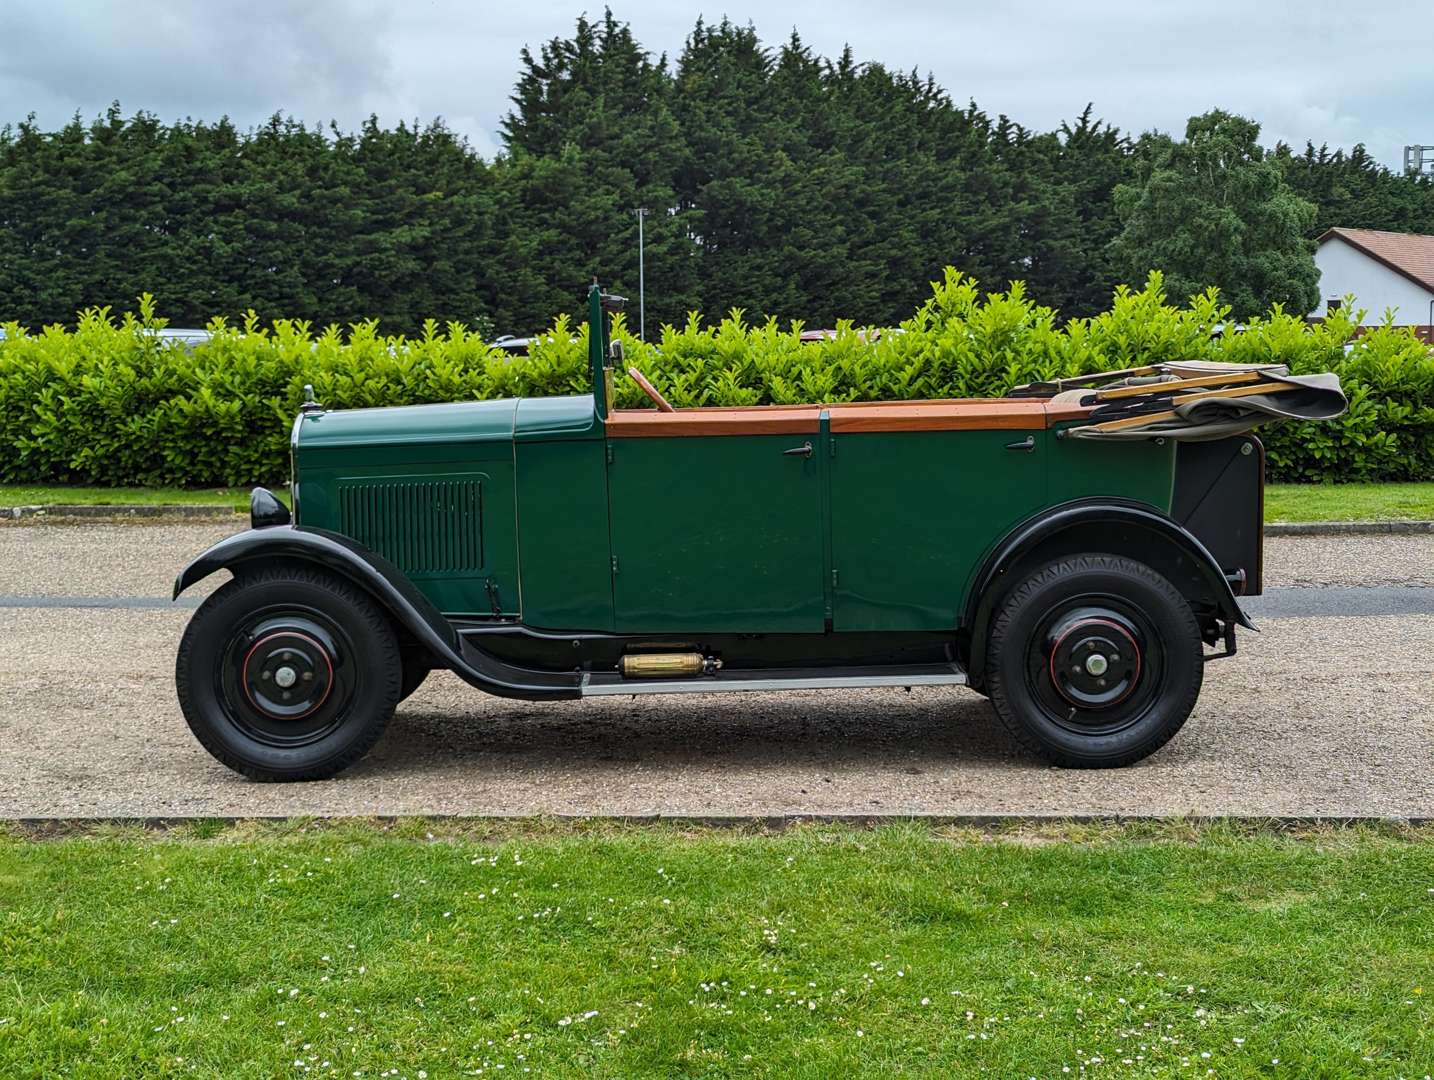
1321	71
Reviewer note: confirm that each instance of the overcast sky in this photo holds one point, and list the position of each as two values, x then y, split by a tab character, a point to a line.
1325	71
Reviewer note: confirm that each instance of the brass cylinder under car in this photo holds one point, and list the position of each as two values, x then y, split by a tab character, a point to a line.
668	665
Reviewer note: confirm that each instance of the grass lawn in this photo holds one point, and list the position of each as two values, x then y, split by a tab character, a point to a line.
444	949
96	496
1349	502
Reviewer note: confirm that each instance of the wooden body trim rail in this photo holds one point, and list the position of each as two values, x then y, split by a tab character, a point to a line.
759	420
970	414
980	414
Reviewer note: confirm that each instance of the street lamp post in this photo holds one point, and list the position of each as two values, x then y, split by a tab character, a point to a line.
641	213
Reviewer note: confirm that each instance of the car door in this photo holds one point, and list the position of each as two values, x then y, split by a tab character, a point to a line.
716	519
913	510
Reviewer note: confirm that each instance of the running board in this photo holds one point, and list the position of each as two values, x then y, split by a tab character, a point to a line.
600	683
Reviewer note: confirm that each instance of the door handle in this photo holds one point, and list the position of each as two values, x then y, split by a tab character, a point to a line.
805	450
1027	444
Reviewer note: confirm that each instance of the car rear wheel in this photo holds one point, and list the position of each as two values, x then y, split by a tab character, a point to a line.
1095	661
288	674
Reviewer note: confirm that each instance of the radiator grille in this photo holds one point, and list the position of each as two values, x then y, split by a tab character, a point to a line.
423	526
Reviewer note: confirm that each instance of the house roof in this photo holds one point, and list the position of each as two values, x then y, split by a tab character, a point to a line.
1408	254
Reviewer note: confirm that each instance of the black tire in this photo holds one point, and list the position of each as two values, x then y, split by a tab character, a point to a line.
288	673
1095	661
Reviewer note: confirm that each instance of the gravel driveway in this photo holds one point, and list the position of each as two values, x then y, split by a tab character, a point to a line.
1316	716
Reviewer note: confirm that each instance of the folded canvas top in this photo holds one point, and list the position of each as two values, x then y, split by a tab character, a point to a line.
1193	400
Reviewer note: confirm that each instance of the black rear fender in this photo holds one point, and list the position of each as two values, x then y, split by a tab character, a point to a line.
1115	527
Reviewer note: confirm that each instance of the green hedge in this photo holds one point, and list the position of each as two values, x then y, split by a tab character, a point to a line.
109	403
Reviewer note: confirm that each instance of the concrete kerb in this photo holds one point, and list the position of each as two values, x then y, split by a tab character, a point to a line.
1349	528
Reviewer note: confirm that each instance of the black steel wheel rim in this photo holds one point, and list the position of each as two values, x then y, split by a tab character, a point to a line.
287	675
1095	665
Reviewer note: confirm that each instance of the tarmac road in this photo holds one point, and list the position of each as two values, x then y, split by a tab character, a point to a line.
1329	711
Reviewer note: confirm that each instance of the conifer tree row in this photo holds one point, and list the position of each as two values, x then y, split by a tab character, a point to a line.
779	181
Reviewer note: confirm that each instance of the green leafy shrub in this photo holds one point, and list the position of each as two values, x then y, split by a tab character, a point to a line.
110	403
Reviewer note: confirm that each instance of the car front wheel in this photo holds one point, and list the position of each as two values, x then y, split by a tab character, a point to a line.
288	673
1094	661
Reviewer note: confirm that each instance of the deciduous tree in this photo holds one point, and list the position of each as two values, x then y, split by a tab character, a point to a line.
1215	210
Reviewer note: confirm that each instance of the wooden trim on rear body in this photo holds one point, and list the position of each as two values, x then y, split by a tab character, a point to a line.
972	414
968	414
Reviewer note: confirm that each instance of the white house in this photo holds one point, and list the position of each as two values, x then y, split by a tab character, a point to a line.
1383	270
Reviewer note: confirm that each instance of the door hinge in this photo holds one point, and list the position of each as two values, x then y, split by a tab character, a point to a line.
831	442
609	453
836	577
614	564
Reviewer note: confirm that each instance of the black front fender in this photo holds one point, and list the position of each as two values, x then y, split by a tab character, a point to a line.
1105	525
387	584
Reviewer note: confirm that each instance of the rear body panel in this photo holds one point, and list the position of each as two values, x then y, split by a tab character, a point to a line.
1220	497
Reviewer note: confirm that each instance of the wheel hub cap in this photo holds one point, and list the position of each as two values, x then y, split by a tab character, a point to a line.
1095	662
287	674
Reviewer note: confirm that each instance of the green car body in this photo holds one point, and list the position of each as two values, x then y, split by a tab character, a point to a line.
708	533
531	544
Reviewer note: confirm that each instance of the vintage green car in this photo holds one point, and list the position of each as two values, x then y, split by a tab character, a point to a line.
1069	552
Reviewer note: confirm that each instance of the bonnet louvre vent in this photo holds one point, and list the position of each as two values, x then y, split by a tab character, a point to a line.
423	526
